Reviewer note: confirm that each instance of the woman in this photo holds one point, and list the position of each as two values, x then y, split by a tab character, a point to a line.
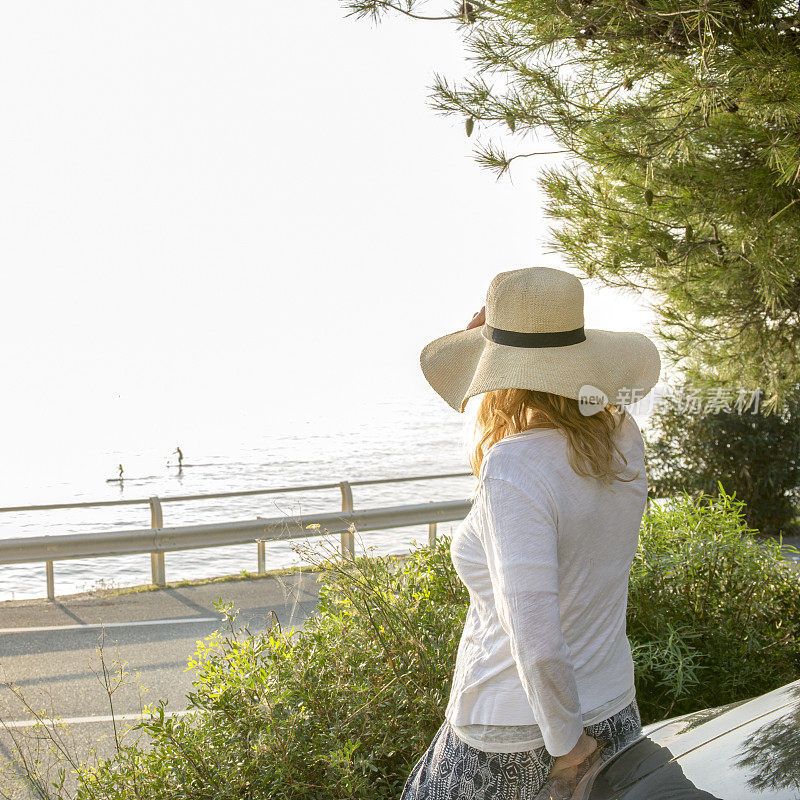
543	685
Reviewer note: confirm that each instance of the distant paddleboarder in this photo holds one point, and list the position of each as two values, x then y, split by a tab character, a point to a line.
180	457
117	480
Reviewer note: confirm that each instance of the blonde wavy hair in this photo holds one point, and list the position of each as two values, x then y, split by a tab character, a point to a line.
590	438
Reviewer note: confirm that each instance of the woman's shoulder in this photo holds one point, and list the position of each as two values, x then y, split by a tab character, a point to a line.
513	456
631	426
535	451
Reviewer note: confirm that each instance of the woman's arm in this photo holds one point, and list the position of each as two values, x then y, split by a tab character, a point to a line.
519	536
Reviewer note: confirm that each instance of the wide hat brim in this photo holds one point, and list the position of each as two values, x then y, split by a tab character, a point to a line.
625	366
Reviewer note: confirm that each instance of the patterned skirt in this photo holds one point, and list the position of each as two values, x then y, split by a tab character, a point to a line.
451	769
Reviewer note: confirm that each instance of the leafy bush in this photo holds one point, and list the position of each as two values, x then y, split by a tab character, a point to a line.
755	455
713	613
341	709
345	707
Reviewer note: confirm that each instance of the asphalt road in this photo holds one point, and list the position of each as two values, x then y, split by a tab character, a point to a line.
51	652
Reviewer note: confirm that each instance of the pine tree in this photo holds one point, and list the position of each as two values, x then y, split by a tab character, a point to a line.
680	124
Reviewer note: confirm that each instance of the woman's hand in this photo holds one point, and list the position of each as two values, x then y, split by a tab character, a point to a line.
567	765
478	320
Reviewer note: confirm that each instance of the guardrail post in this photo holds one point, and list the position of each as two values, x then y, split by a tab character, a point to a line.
51	583
262	556
431	534
157	567
348	540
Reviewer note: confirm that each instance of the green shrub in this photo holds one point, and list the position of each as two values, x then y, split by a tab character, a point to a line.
345	707
341	709
713	613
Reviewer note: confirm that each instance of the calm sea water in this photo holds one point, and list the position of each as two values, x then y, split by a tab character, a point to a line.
376	440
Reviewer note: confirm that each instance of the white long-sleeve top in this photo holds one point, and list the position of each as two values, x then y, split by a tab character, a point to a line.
545	554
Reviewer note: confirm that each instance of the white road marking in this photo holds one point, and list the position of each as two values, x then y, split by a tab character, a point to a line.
98	625
29	723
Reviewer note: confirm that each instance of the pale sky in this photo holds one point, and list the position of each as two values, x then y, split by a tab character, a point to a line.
215	211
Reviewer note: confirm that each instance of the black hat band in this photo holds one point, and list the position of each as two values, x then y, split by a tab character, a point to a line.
519	339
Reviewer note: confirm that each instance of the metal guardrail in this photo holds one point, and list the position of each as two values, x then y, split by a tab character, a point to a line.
157	539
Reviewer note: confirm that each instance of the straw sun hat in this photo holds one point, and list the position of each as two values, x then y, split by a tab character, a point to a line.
534	338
